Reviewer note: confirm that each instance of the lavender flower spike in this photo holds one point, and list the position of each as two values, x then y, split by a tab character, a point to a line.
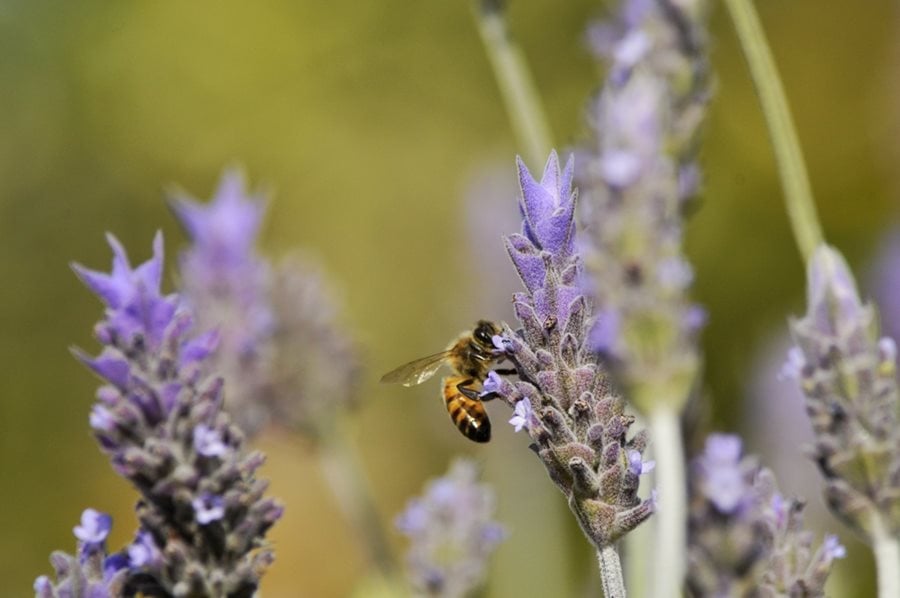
578	425
849	377
452	533
745	538
159	419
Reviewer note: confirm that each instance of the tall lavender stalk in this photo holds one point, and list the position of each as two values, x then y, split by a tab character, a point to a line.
159	418
848	373
563	400
636	176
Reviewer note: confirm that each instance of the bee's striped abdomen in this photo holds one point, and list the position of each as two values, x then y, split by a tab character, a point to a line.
467	414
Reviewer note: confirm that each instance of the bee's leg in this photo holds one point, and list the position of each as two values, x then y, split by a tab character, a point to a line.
465	389
506	371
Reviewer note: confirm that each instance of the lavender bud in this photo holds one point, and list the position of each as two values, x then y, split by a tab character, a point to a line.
160	422
848	375
743	536
579	429
452	533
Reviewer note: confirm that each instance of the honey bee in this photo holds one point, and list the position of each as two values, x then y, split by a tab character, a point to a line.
471	357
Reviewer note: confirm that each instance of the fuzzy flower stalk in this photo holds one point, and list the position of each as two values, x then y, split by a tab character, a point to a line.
281	349
562	399
452	533
744	537
637	176
203	513
848	374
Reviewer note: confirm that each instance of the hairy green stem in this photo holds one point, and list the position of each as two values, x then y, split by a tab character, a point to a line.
349	485
794	179
519	93
671	516
887	559
611	572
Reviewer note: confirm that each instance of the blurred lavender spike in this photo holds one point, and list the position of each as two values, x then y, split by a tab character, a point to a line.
91	573
744	537
159	419
848	374
282	354
562	399
228	285
452	533
637	175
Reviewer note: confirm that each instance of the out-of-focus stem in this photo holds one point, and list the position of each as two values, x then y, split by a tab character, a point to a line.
794	179
611	572
671	515
887	559
350	487
523	103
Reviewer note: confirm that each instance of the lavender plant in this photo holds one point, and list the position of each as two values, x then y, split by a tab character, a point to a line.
159	418
848	373
563	399
744	537
637	175
452	533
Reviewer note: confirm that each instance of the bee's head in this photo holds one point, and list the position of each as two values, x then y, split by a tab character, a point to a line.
485	331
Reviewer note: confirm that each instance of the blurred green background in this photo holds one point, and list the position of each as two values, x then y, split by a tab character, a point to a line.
381	132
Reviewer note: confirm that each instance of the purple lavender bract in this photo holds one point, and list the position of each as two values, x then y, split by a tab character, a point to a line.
160	420
578	424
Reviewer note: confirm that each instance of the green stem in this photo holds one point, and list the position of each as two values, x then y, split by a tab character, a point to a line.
350	488
519	93
670	542
794	179
611	572
887	559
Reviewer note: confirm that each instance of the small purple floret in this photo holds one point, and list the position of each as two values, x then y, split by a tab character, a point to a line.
208	508
94	528
208	442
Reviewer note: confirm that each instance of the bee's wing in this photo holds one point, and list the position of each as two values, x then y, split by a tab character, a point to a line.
416	371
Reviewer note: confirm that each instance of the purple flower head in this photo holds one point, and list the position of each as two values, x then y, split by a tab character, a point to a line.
724	480
208	508
451	532
743	533
224	231
94	528
143	552
523	416
135	307
637	465
208	442
548	206
160	421
848	374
